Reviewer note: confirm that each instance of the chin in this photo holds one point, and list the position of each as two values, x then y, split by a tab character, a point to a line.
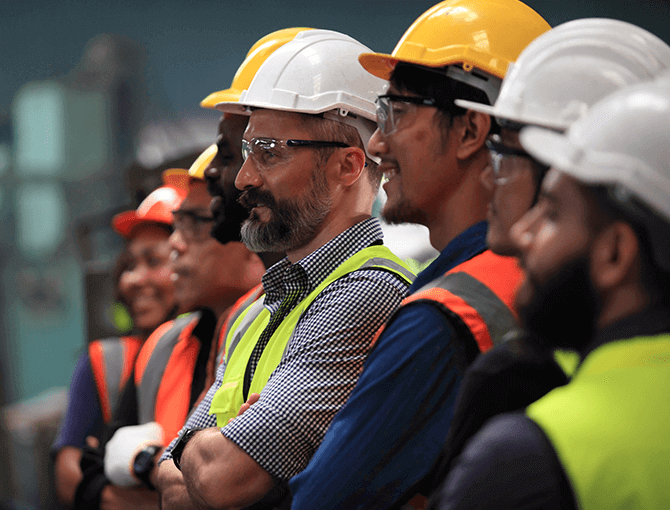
402	212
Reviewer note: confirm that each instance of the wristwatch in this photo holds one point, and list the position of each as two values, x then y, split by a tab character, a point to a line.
144	464
178	447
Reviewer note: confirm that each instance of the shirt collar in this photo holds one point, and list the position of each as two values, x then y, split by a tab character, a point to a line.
464	246
649	322
308	272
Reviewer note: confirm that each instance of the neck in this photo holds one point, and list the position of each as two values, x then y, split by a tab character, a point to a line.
461	208
330	229
622	303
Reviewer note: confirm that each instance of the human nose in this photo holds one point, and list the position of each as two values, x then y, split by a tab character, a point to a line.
377	144
178	243
486	177
248	176
136	276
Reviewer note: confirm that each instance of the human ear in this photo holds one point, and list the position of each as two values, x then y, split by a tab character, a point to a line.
350	164
615	256
473	129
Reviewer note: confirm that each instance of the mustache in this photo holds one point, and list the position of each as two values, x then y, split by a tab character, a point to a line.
252	197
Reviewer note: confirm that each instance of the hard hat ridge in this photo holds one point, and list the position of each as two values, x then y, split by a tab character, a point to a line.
315	73
477	36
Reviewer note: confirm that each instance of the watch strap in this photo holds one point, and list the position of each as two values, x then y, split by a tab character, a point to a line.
142	469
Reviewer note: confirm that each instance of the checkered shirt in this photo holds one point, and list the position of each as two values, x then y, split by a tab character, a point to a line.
323	359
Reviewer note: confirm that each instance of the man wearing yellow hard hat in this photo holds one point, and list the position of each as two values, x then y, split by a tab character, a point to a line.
172	368
384	441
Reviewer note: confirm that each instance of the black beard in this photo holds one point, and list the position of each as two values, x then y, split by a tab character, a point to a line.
229	215
403	213
563	311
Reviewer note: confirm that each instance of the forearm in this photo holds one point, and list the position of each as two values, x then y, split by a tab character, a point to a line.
68	475
219	474
170	485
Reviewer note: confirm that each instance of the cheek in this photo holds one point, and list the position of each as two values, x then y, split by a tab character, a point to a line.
125	284
511	202
162	279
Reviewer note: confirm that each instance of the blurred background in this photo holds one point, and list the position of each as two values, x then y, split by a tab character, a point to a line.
96	98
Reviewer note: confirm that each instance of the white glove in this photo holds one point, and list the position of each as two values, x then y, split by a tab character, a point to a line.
121	450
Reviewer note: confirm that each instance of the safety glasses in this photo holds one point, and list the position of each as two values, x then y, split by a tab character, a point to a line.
193	226
268	152
392	108
499	151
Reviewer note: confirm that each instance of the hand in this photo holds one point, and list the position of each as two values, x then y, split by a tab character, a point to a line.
121	450
253	398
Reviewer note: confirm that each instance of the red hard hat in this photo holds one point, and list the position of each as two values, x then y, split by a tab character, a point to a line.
157	207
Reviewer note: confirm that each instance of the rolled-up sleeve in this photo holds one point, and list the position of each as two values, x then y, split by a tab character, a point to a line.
321	366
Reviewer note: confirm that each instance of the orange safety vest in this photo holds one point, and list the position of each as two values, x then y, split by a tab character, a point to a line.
235	311
480	293
164	374
112	361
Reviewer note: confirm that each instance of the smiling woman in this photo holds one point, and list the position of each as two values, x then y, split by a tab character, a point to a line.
144	285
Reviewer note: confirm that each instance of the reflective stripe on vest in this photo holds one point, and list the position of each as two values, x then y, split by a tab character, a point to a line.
112	361
238	308
164	373
249	326
610	425
480	292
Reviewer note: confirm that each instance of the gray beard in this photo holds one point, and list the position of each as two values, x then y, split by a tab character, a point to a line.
293	224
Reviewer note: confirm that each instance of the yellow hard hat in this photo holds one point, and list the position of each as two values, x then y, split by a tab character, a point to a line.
482	34
197	170
257	54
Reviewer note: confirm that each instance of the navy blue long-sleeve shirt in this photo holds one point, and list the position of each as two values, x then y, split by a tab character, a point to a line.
391	430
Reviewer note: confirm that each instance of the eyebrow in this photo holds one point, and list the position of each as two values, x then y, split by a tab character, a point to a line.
549	196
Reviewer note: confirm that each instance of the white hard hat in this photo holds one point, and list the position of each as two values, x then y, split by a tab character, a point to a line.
566	70
623	142
317	72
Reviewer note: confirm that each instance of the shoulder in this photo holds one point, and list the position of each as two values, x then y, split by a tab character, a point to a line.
167	331
513	465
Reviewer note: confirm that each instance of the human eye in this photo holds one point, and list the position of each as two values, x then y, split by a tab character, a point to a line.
269	153
399	108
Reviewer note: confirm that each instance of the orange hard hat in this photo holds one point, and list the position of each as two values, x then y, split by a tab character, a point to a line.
157	207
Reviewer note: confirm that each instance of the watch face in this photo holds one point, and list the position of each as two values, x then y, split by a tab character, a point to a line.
143	462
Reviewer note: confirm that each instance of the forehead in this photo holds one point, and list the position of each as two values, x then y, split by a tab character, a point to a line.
566	193
145	236
231	127
197	199
274	124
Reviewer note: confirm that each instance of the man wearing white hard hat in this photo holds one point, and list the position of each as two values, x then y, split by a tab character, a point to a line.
555	80
595	253
310	187
433	154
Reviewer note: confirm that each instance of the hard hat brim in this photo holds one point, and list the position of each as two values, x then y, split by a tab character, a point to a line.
230	95
197	170
126	222
499	113
554	149
380	65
